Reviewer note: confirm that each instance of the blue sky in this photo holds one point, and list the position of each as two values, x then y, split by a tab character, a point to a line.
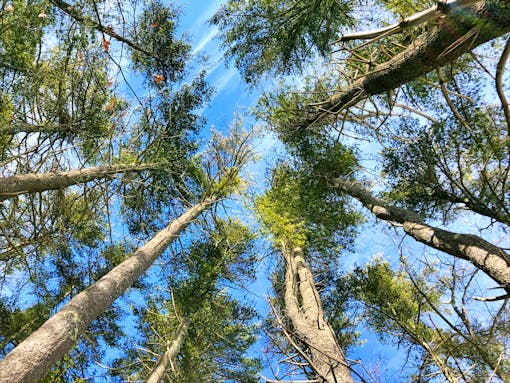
233	96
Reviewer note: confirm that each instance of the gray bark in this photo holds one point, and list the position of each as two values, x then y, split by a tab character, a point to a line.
304	309
444	43
171	352
493	260
32	359
21	127
33	183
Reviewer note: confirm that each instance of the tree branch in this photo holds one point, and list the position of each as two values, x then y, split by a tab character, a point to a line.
71	11
489	258
445	42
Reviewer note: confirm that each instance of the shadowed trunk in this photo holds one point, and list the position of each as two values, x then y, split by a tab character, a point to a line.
460	30
33	183
33	358
304	309
493	260
171	352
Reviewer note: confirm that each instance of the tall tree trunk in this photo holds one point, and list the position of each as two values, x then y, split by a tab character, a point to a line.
32	359
460	30
304	309
171	352
32	183
484	255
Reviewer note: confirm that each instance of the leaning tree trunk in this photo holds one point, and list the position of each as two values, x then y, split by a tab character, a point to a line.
32	359
462	27
493	260
304	310
171	352
33	183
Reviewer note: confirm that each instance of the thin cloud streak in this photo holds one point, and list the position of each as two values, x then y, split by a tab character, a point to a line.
222	82
202	44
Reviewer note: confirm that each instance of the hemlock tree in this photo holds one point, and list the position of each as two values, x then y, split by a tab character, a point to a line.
434	318
454	154
456	27
428	90
308	224
194	328
413	90
71	144
32	359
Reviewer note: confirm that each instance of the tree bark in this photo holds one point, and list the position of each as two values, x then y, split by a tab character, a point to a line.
493	260
304	309
33	183
21	127
32	359
171	353
460	30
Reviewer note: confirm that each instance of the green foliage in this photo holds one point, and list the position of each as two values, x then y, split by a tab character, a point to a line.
406	8
303	208
433	319
279	36
221	327
286	110
453	163
225	255
393	305
170	126
63	372
156	34
220	337
21	31
16	324
59	90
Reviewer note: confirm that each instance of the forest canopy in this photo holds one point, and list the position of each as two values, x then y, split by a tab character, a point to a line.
139	241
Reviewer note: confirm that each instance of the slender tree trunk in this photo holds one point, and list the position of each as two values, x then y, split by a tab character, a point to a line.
304	309
32	183
484	255
171	352
32	359
460	30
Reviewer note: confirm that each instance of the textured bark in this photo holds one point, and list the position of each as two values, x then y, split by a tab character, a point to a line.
493	260
33	183
444	43
32	359
408	22
171	352
19	127
304	309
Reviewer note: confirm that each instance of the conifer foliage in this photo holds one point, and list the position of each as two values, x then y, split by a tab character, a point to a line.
124	255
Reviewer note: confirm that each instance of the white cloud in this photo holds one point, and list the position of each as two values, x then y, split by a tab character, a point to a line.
205	40
222	82
206	13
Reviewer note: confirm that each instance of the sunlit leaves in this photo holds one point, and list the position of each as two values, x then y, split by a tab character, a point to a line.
392	302
21	31
302	207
